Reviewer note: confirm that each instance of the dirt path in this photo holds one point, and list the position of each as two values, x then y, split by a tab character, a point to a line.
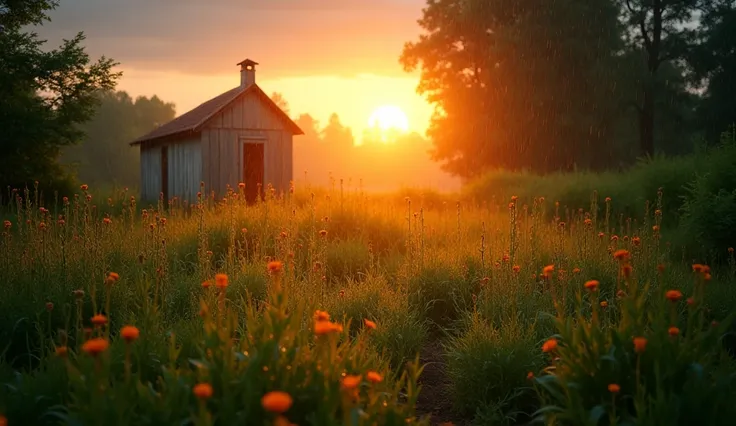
434	397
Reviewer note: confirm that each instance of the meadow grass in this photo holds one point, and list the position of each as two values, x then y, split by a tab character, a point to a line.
326	297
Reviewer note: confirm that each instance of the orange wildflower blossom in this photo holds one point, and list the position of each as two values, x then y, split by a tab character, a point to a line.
673	295
277	402
549	346
374	377
99	320
221	281
323	233
640	344
604	304
351	381
321	315
113	277
697	267
206	284
626	270
592	285
95	346
621	255
614	388
673	331
369	324
548	270
275	267
516	268
326	327
203	391
529	375
130	333
61	351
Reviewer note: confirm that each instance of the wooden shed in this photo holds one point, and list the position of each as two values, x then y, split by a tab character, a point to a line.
238	136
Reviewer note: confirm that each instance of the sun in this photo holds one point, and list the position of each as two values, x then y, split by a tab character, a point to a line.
389	118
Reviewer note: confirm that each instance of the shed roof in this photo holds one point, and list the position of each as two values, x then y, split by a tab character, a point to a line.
195	119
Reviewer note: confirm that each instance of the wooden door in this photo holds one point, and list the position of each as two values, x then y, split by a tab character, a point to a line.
252	170
165	173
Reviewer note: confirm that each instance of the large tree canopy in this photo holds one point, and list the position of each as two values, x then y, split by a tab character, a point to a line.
519	84
44	94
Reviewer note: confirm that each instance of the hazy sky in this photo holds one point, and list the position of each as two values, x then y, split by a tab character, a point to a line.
323	55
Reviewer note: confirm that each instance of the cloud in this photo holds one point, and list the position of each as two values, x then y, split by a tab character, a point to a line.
289	37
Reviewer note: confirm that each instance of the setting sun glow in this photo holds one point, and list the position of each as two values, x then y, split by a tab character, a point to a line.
389	117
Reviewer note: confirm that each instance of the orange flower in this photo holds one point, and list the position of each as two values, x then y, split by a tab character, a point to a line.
707	277
129	333
592	285
626	270
614	388
550	345
621	255
282	421
690	301
84	187
548	270
673	331
203	391
221	281
640	344
241	185
529	375
321	315
673	295
576	270
516	268
49	306
697	267
655	228
61	351
99	320
374	377
276	402
604	304
636	241
275	267
106	221
206	284
351	382
95	346
323	233
660	268
326	327
369	324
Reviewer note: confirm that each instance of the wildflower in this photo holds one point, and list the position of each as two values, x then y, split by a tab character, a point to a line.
244	230
588	222
113	277
673	331
690	301
655	228
221	281
321	315
241	185
549	346
95	346
206	284
342	293
276	402
49	306
283	234
626	270
84	187
130	333
275	267
608	199
601	235
317	266
621	255
673	295
78	294
660	268
697	267
640	344
351	382
614	238
374	377
636	241
592	285
506	258
604	304
730	249
107	221
99	320
8	224
516	268
547	271
281	420
323	233
529	375
707	277
369	324
326	327
614	388
203	391
61	351
576	270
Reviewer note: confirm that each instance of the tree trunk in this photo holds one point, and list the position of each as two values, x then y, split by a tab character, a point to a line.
646	123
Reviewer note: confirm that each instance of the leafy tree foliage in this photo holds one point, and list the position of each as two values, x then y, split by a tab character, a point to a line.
519	84
105	156
44	95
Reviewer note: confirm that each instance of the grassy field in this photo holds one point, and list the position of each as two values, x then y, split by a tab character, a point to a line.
329	307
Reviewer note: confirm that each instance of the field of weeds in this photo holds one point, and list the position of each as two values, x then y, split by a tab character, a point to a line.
336	307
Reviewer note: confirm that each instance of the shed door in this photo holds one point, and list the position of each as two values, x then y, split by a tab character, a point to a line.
252	170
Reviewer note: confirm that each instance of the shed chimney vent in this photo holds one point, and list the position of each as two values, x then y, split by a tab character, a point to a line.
247	72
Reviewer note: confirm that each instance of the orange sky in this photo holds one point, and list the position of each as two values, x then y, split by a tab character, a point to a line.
324	56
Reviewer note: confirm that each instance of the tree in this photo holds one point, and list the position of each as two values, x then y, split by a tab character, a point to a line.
713	67
280	101
336	134
44	95
664	31
105	156
519	84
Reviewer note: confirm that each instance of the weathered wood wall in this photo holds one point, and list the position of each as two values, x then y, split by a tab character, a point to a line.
247	119
184	167
150	172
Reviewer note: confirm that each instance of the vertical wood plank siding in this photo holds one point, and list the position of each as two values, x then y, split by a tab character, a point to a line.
185	169
150	172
